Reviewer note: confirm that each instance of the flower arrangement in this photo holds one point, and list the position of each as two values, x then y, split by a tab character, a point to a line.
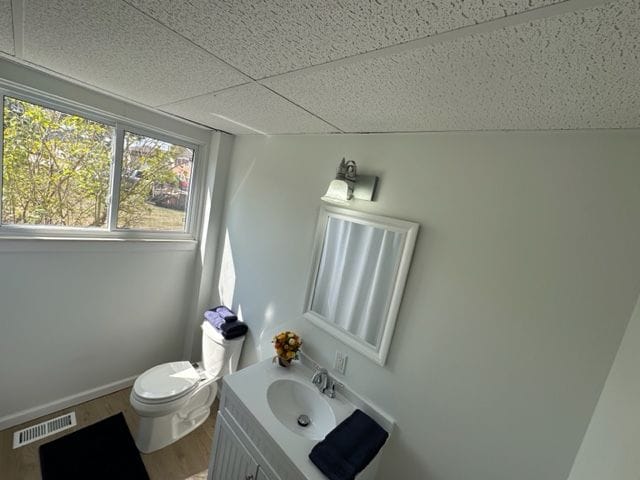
287	345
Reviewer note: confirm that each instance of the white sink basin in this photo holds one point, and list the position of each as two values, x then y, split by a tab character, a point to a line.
276	396
288	399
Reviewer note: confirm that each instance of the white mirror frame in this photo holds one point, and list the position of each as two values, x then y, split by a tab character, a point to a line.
409	231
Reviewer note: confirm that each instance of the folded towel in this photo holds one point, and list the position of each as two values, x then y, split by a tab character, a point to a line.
226	313
235	329
349	447
214	318
331	463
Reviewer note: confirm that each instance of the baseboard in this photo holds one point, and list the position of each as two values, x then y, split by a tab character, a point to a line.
23	416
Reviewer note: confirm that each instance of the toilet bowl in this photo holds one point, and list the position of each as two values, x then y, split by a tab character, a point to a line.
173	399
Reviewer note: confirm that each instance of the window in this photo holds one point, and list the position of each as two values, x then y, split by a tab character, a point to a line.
60	169
154	184
55	167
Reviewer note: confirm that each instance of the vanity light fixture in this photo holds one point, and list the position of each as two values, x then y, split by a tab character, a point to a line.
348	185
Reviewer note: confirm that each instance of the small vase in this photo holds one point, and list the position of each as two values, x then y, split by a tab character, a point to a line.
283	362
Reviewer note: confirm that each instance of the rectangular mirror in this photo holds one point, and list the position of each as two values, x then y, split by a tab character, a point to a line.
360	266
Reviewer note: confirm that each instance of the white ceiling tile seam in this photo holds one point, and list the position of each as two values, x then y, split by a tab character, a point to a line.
567	6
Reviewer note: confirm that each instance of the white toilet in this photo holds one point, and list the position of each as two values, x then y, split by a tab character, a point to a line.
175	398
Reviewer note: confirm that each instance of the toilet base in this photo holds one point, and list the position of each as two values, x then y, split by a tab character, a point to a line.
156	432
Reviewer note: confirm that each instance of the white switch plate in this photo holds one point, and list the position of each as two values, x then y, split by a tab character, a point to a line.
340	364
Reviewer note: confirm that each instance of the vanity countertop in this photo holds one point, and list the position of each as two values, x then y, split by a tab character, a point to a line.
251	385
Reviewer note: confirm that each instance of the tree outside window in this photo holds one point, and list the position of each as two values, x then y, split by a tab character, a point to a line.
56	171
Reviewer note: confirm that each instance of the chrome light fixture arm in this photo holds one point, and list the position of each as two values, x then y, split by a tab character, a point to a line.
347	184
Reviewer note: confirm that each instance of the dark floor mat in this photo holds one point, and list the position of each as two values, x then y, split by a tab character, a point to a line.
104	450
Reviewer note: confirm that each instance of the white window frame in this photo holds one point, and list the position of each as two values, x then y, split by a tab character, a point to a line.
120	125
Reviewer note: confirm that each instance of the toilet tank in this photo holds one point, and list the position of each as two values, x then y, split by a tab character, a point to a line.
219	356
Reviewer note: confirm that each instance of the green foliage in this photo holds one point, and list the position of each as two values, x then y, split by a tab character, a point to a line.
146	163
57	168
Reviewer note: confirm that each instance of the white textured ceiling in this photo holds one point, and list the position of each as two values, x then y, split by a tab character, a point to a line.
267	37
578	70
300	66
260	109
120	50
6	27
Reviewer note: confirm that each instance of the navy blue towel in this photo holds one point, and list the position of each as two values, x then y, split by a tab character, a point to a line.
349	447
235	329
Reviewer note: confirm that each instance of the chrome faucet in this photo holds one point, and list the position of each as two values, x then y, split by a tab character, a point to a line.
325	383
320	378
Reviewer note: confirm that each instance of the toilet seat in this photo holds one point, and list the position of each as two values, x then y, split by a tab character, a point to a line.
175	398
166	383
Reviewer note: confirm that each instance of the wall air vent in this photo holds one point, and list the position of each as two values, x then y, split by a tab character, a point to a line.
44	429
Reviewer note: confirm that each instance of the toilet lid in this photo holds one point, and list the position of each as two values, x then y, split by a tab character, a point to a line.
166	382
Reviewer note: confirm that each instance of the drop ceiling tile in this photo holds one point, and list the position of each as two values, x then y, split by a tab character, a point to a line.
113	46
577	70
267	37
249	108
6	27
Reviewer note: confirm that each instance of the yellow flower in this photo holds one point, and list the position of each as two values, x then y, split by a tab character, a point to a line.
287	344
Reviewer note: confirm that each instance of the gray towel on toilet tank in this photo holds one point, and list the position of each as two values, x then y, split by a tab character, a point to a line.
214	318
226	313
226	322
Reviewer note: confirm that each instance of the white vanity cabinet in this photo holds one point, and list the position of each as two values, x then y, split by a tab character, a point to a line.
256	436
242	450
231	460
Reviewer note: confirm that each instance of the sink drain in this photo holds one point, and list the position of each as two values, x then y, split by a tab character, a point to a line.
304	421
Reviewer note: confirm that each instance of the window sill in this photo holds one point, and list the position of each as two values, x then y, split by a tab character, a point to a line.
42	243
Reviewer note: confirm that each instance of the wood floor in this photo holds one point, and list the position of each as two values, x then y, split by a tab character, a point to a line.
186	459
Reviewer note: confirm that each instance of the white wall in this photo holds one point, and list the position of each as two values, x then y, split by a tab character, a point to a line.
611	445
524	277
80	317
205	270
